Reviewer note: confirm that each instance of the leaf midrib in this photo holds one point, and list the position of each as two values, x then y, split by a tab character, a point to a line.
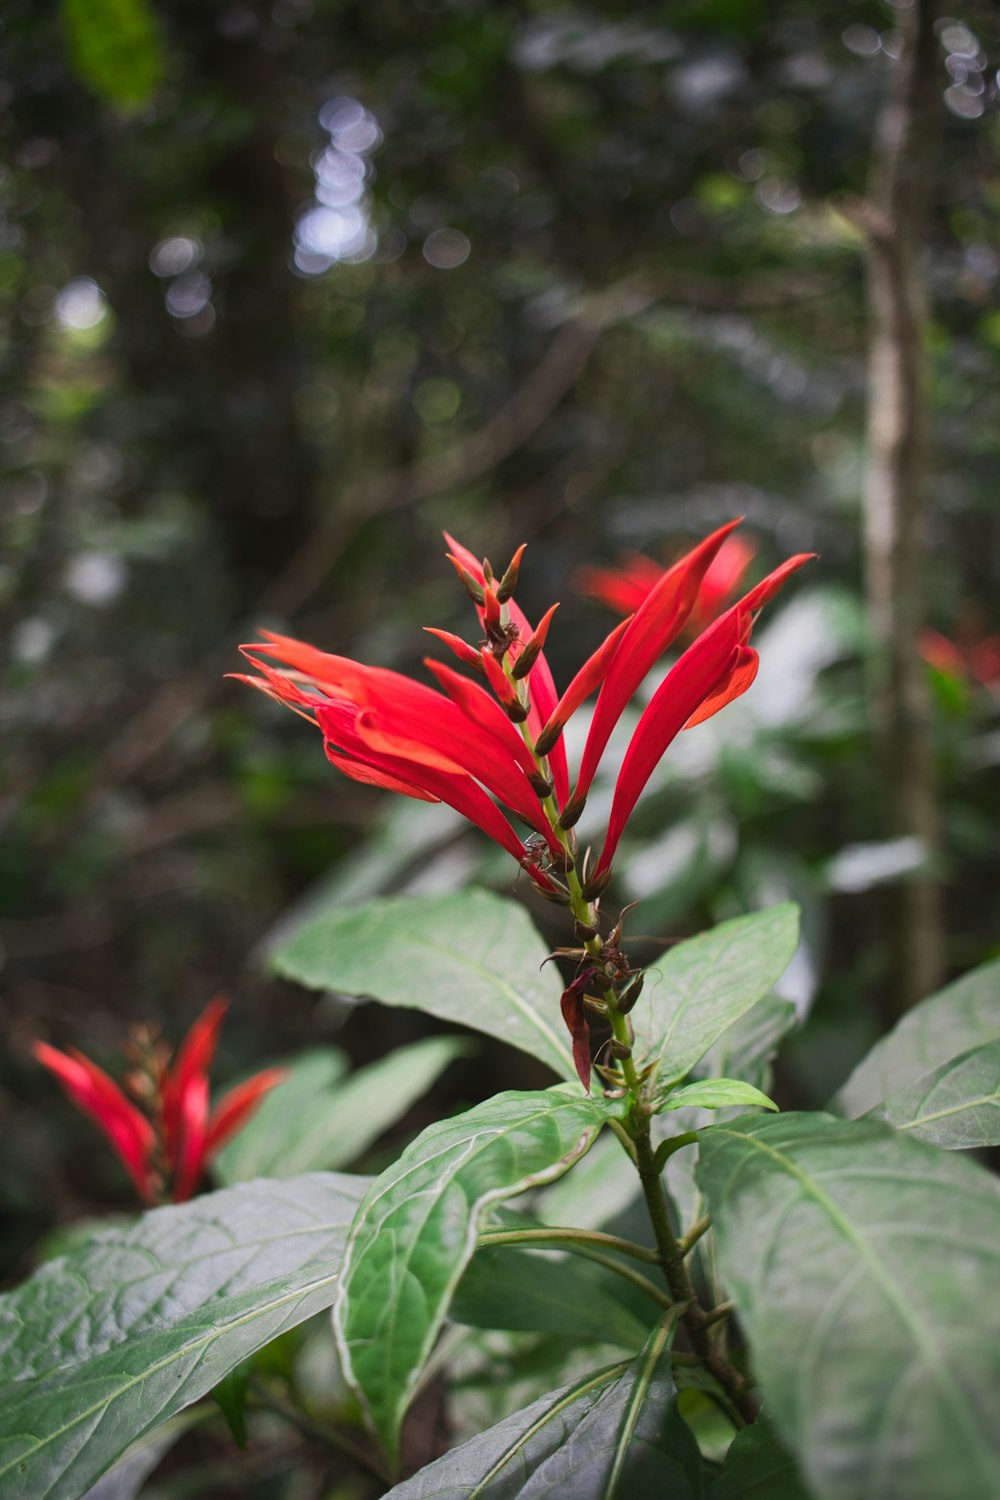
950	1392
216	1331
498	983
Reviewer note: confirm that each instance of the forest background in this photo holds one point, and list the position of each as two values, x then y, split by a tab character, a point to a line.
286	290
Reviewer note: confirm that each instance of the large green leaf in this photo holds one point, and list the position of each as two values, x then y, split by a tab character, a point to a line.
416	1230
102	1345
615	1435
470	958
318	1121
865	1270
700	987
964	1015
757	1467
746	1049
115	48
957	1106
527	1292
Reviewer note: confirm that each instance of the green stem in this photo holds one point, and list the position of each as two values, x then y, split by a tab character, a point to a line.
697	1321
647	1161
570	1239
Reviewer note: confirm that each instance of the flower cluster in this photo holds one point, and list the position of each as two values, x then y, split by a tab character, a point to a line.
166	1145
496	736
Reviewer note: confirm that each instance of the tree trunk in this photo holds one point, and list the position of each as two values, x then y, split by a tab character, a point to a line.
894	223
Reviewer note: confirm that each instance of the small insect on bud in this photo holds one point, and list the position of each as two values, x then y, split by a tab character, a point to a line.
472	586
508	582
571	812
631	995
621	1050
585	930
533	648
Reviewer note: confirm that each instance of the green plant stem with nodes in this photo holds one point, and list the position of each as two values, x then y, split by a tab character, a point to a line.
671	1251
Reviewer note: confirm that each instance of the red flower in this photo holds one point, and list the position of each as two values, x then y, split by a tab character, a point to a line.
501	735
977	657
175	1146
624	588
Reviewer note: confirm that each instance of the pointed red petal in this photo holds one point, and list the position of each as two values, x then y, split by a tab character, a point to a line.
498	680
370	776
188	1160
193	1060
715	668
586	681
235	1108
655	624
97	1095
623	588
686	685
457	789
733	685
465	653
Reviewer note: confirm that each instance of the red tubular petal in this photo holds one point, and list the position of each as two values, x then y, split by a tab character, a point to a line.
235	1108
623	588
370	776
655	624
189	1156
721	581
715	668
193	1060
91	1090
733	685
590	675
498	680
465	653
457	789
686	685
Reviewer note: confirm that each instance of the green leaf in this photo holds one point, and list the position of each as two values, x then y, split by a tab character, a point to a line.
757	1467
471	958
115	48
416	1231
716	1093
614	1435
599	1188
101	1346
865	1269
230	1396
964	1015
711	981
746	1049
526	1292
318	1121
126	1479
957	1106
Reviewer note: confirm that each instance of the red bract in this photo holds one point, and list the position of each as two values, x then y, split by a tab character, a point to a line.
500	734
165	1155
